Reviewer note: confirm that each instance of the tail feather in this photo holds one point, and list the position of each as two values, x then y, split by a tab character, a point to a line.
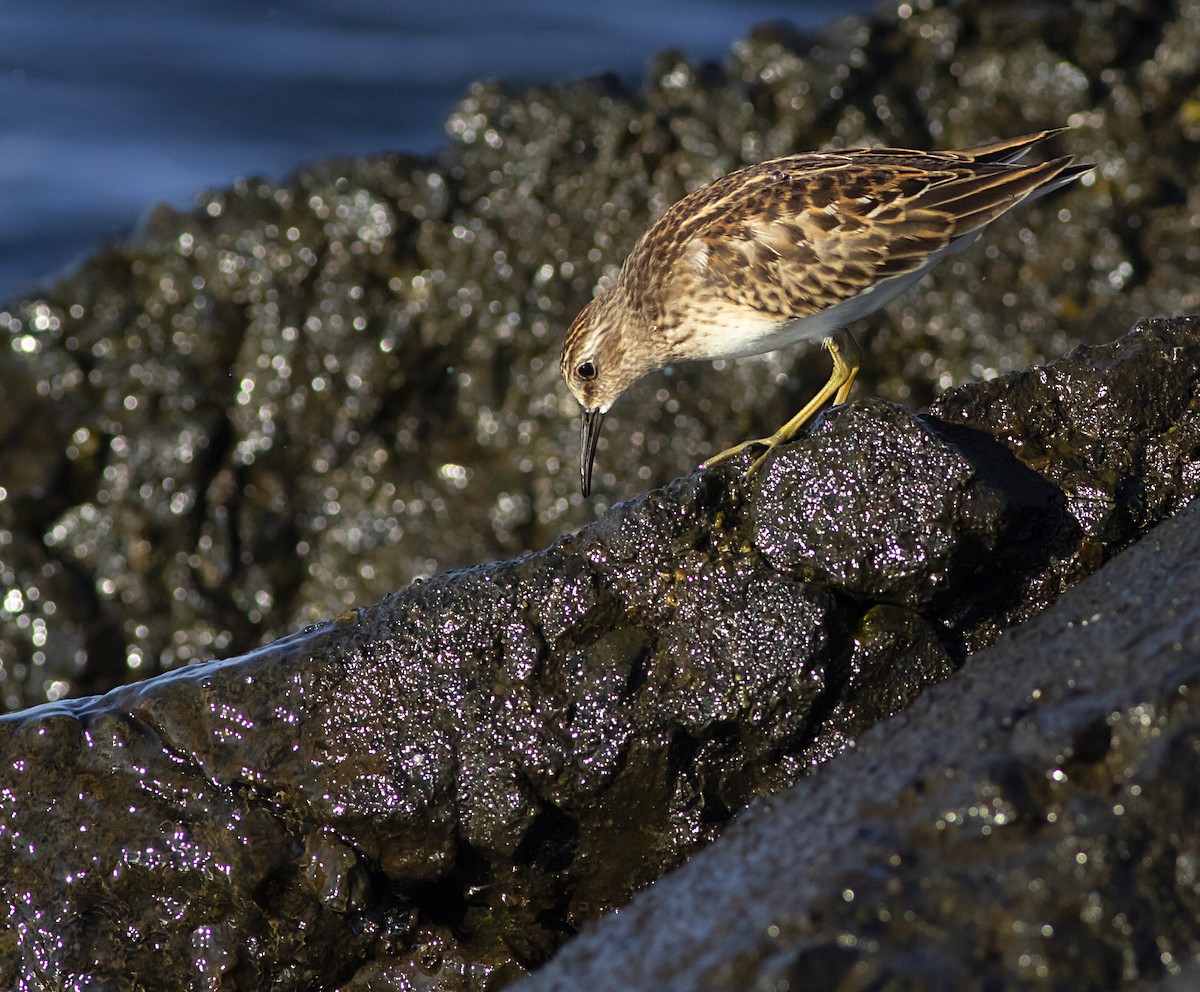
976	201
1010	150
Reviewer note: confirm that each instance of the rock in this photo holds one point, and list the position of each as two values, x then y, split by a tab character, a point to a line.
439	790
1029	824
302	394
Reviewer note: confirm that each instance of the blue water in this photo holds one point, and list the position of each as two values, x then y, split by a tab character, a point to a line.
108	108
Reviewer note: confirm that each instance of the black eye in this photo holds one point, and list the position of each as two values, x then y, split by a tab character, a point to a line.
586	370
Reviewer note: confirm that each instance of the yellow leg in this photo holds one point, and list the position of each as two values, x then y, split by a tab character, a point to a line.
847	359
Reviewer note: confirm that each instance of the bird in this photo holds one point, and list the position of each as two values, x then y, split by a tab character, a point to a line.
788	250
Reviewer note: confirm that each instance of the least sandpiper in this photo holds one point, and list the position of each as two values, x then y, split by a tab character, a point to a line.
789	250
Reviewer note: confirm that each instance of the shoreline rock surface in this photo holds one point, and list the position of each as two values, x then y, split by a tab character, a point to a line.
1027	824
440	789
301	395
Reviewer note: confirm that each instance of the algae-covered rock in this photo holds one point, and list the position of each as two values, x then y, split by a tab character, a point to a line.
300	395
1029	824
440	790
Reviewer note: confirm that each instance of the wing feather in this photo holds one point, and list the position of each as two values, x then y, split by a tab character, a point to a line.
795	235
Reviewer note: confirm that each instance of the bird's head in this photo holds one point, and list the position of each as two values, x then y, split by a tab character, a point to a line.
607	349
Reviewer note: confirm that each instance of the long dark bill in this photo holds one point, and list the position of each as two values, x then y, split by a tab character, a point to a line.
589	435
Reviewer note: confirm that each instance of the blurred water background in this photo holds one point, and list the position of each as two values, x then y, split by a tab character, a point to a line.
107	109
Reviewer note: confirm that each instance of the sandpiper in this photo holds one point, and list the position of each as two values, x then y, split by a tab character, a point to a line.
789	250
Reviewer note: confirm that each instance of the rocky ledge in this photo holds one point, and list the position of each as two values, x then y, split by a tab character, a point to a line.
1029	824
440	790
300	395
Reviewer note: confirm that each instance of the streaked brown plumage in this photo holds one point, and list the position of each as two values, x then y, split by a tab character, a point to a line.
789	250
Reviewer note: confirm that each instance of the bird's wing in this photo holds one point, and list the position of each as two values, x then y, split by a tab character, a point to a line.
801	234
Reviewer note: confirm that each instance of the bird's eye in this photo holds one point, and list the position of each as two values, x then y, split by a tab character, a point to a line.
586	370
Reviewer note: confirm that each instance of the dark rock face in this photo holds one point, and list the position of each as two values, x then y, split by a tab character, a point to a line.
1029	824
437	791
912	549
301	395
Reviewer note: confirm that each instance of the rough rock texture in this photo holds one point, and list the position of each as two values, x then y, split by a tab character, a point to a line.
1030	824
302	394
437	791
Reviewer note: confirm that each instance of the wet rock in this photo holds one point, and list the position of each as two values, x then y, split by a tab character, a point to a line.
301	395
439	790
1027	825
921	487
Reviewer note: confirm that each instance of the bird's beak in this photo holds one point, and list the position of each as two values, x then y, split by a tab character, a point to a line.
589	435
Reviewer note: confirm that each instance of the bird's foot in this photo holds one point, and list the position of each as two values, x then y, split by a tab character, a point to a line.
846	360
736	450
770	443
